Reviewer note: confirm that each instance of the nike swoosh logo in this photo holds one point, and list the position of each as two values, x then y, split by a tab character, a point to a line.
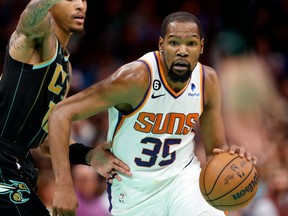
156	96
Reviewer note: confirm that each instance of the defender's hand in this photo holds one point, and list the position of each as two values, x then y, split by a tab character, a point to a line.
64	201
106	164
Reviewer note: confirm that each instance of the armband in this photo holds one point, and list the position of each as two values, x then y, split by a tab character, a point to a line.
77	153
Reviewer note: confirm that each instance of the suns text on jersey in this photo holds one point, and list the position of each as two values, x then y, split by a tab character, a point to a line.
170	123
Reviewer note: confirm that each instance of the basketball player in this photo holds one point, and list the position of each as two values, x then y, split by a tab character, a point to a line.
35	77
154	104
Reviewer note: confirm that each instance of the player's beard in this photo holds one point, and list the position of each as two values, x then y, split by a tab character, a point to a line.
179	78
175	77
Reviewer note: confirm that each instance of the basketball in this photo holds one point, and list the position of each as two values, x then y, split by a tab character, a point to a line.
228	182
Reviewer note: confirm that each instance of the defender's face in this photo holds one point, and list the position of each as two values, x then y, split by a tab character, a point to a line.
69	15
181	49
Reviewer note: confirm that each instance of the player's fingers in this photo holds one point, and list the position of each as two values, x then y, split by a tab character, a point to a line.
59	212
107	145
217	150
121	170
121	165
118	178
232	149
109	180
236	149
68	213
104	169
254	159
111	176
241	151
54	212
248	156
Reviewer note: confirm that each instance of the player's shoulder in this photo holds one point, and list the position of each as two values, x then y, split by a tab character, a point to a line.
210	73
134	70
129	82
209	70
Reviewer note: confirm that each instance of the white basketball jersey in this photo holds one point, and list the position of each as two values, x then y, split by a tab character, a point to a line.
156	139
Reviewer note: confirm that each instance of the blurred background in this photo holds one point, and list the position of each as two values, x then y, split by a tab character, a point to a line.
246	42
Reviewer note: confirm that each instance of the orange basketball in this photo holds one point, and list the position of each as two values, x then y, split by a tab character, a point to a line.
228	182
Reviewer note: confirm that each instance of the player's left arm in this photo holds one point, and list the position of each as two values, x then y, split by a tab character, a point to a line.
211	122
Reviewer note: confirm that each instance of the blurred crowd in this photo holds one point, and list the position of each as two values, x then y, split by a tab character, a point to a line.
245	41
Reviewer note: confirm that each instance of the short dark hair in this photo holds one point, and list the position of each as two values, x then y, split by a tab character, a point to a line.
181	16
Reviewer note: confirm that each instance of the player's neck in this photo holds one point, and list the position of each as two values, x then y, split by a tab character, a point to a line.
62	36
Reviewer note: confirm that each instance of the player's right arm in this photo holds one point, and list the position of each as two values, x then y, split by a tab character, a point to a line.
33	41
123	89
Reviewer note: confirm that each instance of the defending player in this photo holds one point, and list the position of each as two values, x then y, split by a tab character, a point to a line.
35	77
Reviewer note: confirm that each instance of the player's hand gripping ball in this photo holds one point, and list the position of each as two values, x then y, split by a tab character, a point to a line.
228	182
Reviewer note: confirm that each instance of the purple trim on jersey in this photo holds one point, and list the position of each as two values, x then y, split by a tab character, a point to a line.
155	56
117	125
203	87
189	162
150	80
146	93
109	196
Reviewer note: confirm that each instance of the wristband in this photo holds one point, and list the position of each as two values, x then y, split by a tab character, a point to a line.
77	153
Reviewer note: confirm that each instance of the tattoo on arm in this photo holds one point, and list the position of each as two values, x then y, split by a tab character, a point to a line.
35	13
17	44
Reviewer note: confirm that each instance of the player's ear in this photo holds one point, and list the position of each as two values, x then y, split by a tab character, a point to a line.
202	46
160	44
